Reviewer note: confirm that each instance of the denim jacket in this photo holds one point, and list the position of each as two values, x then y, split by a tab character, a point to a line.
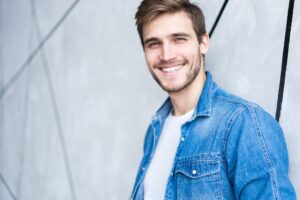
229	149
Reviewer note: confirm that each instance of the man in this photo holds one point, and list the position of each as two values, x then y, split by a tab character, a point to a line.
203	143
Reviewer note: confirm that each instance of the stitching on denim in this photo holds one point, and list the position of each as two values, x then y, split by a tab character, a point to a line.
220	192
212	156
264	149
254	118
209	162
182	169
241	102
217	181
196	161
228	128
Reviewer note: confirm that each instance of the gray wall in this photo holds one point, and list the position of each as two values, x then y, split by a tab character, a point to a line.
76	96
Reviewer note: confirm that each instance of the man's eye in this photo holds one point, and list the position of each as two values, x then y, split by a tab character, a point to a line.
153	44
180	39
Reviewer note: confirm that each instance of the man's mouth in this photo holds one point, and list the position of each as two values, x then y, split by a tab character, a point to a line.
172	68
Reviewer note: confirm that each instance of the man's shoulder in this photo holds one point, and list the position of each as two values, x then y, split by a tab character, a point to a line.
240	106
223	96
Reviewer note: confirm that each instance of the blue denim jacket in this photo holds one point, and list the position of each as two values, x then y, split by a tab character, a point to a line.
230	149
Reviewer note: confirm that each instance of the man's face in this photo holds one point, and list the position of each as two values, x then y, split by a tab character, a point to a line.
172	51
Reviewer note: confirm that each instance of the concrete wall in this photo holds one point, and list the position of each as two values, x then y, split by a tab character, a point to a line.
76	96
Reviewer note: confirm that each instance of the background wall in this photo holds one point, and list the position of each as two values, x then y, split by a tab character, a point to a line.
76	96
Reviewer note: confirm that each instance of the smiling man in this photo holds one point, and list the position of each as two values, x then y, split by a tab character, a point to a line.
203	143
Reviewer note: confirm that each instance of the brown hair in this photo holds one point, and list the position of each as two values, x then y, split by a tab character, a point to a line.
150	9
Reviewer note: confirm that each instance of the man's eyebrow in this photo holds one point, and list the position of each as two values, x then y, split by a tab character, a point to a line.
181	34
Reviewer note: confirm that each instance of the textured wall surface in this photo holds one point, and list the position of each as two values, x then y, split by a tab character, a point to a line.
76	96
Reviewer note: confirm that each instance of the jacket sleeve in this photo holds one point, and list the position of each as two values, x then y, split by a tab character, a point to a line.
257	157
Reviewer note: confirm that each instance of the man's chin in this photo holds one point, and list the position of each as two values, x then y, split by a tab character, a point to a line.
172	89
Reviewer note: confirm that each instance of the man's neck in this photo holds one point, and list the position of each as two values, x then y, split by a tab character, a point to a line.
186	99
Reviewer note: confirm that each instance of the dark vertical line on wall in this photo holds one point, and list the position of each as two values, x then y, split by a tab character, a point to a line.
54	105
33	54
7	187
218	18
284	58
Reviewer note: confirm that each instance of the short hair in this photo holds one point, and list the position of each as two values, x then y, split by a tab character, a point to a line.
150	9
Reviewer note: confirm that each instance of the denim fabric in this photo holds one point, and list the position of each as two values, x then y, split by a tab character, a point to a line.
231	149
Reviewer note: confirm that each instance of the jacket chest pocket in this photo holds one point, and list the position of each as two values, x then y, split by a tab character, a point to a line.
198	179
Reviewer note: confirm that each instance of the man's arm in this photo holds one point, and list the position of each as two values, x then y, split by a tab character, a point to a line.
257	157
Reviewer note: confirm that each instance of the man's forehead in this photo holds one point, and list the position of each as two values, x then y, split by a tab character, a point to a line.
167	25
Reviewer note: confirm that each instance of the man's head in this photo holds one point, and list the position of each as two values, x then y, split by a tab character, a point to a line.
150	9
174	40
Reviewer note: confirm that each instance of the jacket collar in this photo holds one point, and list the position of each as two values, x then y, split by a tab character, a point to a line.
203	107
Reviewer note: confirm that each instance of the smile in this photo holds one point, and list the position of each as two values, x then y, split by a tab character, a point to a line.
171	69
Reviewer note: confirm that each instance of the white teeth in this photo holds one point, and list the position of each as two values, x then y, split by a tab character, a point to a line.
171	69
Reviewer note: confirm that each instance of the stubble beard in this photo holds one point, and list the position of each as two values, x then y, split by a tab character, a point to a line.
190	77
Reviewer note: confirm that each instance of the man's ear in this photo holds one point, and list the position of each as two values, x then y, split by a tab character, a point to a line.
204	44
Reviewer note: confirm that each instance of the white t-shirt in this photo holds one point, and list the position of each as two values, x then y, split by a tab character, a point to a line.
156	178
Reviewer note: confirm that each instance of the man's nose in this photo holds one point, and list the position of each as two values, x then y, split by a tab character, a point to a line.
167	52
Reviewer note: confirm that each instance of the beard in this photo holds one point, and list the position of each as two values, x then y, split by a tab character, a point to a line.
190	76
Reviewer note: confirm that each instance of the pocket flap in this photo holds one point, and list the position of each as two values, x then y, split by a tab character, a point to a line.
197	169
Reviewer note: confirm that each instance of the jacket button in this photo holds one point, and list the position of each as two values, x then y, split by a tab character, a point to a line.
194	172
182	139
